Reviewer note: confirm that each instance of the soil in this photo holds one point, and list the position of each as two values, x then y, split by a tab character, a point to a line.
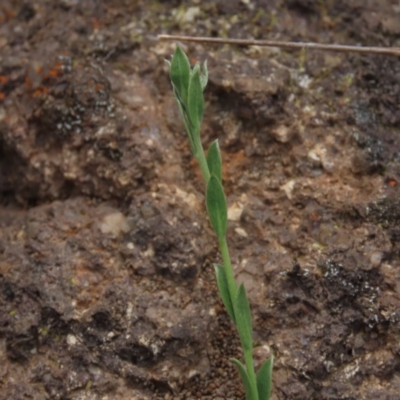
107	288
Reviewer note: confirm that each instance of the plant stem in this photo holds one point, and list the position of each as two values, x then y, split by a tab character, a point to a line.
201	158
223	245
248	359
233	297
248	354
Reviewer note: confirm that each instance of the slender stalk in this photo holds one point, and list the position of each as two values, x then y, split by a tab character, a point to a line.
248	359
201	158
223	246
393	51
248	355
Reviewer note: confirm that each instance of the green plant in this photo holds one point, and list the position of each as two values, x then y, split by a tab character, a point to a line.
188	85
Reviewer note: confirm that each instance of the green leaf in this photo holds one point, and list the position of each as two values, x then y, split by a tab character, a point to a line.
195	102
222	283
184	118
243	319
180	74
196	68
204	76
214	160
245	378
216	206
264	380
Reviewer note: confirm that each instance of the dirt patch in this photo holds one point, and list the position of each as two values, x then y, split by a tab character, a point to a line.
106	282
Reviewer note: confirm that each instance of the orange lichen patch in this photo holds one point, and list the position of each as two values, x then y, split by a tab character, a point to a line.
89	285
99	87
314	216
28	82
10	14
54	73
95	23
40	91
6	14
58	65
392	182
2	96
233	162
3	78
195	168
39	69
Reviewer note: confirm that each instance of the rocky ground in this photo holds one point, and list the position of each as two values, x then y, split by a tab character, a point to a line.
107	288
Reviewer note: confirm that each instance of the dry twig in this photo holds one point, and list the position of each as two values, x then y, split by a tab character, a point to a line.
394	51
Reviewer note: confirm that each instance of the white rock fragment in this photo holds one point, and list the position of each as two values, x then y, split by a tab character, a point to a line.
351	369
190	14
189	198
304	81
282	134
129	311
235	211
376	258
114	224
288	188
149	252
319	155
241	232
314	156
71	340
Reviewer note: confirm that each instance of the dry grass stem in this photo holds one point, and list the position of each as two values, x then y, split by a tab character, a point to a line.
393	51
